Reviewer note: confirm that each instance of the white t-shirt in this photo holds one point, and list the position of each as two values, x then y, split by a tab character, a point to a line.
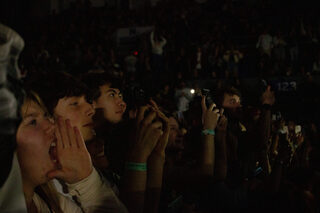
93	193
157	46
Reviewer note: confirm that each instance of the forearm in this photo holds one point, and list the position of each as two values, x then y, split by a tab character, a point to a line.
133	187
207	161
154	183
220	166
94	193
265	127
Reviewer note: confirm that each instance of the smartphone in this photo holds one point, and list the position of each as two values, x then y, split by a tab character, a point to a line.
205	91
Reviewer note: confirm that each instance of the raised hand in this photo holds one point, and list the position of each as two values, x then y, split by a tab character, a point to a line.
73	157
210	115
163	141
223	122
148	132
268	97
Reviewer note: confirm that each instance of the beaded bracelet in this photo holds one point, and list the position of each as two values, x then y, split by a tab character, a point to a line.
142	167
208	132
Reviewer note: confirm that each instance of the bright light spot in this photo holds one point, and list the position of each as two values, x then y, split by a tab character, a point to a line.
192	91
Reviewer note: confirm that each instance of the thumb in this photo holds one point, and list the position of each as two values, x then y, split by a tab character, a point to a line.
58	173
163	142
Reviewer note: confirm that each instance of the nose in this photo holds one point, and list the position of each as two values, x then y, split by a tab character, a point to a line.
120	102
89	109
49	125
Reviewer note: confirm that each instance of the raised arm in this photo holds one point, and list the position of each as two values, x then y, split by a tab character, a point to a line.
210	118
134	182
155	166
267	99
89	191
221	166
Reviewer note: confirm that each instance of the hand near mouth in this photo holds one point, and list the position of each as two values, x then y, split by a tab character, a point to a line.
73	157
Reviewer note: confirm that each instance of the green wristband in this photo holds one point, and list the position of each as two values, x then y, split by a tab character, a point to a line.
208	132
142	167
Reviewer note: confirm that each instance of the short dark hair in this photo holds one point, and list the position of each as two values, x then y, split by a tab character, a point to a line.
53	86
94	80
225	91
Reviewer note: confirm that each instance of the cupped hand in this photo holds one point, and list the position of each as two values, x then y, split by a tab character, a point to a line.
160	148
148	133
223	122
73	157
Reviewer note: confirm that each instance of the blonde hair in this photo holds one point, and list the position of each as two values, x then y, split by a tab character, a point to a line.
47	191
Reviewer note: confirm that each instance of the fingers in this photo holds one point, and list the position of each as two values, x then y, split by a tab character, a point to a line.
71	134
153	132
162	116
223	120
221	111
60	144
154	105
79	138
203	103
148	120
141	113
63	132
212	106
162	144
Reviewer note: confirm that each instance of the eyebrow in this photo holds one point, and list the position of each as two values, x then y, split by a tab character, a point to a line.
113	90
72	97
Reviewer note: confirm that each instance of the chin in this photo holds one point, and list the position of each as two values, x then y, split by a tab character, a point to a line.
88	134
116	120
88	137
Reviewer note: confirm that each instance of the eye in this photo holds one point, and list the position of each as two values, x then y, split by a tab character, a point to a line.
33	122
120	95
74	103
112	94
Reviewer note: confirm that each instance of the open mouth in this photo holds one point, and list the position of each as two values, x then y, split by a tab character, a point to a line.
53	151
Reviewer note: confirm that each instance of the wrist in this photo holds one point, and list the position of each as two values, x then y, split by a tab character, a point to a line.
137	157
208	132
138	167
156	157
